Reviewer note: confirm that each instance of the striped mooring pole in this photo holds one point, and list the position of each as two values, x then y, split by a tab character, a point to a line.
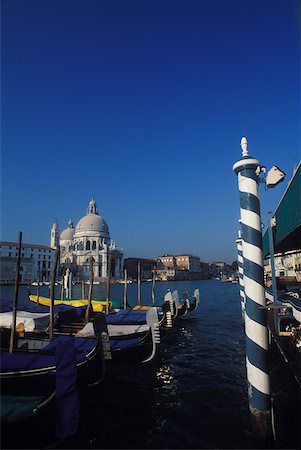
240	262
248	170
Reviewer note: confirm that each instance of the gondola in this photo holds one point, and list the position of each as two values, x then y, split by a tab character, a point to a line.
97	306
178	309
49	405
133	335
33	360
193	305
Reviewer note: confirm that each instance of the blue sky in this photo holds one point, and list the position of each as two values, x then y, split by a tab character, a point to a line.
143	104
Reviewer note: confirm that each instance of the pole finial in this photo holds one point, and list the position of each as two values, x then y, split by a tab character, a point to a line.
244	146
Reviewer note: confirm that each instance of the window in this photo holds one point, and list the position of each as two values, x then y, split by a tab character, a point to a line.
88	245
94	245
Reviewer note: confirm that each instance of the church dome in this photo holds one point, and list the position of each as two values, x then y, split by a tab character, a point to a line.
67	234
92	222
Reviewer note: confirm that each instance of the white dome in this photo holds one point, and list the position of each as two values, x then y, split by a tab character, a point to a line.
67	234
92	222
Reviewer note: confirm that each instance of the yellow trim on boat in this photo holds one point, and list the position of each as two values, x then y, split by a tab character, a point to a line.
143	308
96	305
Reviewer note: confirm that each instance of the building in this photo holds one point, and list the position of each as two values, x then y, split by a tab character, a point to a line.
287	266
31	256
191	263
220	269
90	237
146	268
170	274
181	267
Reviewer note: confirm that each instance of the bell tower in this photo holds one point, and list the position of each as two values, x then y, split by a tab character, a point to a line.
54	235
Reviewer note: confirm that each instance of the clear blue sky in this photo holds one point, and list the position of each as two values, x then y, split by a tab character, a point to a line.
143	104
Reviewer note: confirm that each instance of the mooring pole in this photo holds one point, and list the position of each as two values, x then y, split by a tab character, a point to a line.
89	309
83	283
16	292
38	282
153	285
70	284
125	288
240	262
52	289
139	284
108	290
248	170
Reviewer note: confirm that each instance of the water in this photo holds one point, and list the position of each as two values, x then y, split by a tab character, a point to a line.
194	395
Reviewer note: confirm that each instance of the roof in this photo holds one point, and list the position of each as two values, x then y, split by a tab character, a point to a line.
287	232
26	245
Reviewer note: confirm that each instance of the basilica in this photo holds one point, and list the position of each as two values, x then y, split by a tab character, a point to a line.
90	237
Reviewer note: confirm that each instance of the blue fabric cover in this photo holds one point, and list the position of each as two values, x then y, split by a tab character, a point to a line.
25	361
82	344
127	317
45	358
67	398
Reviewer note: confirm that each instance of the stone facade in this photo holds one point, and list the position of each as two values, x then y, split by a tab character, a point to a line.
90	237
31	256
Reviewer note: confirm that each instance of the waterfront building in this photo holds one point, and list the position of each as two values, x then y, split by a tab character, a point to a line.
287	268
90	237
182	267
31	256
174	273
220	269
146	268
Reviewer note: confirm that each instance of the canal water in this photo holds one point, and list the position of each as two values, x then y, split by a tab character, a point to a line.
194	394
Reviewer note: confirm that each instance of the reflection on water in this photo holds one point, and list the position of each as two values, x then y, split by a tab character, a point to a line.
194	395
164	375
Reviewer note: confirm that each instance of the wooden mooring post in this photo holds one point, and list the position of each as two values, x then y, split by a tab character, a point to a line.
108	290
125	289
248	170
52	289
16	293
139	284
89	309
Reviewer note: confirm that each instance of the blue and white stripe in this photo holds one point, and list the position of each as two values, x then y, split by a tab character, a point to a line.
240	262
248	170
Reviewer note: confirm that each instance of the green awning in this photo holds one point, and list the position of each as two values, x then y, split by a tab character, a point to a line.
287	232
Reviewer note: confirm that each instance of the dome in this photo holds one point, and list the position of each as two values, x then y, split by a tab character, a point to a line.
92	222
67	234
